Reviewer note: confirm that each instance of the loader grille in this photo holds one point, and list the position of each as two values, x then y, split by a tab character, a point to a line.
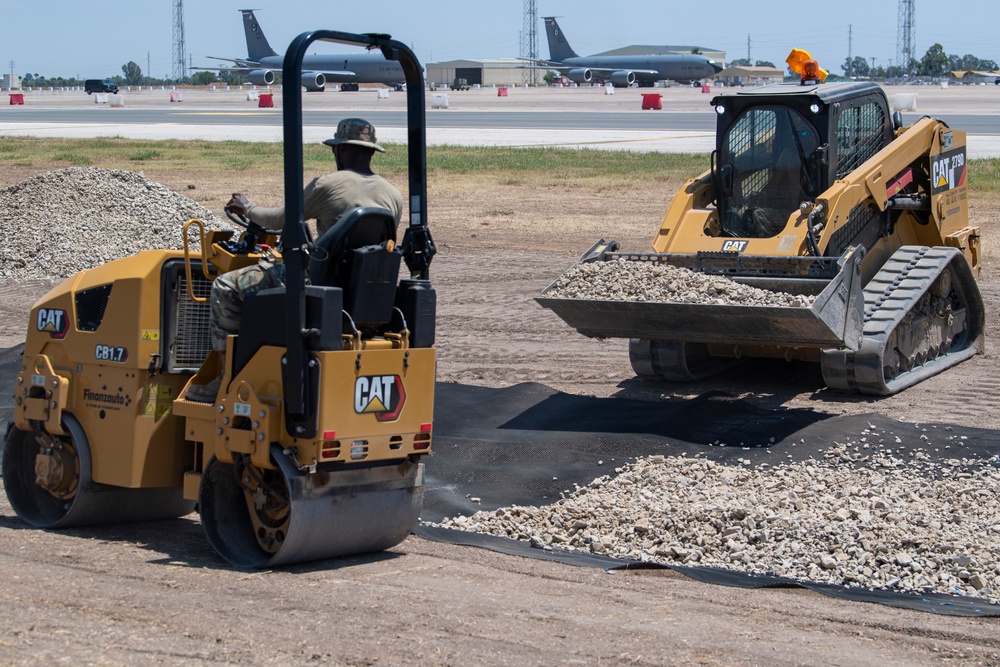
90	307
865	225
860	134
191	335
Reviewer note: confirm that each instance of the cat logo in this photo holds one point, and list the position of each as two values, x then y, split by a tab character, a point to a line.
734	246
948	170
380	395
53	321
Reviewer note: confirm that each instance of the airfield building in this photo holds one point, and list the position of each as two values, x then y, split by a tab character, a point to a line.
499	72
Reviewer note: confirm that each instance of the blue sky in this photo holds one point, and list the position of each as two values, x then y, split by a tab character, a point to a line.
95	38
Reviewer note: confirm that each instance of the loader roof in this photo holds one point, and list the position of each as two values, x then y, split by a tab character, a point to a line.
825	92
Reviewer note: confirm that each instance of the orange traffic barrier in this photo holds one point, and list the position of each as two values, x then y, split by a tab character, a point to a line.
652	101
265	100
17	98
501	92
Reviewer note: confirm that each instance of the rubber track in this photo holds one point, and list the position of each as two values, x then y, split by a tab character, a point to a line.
889	296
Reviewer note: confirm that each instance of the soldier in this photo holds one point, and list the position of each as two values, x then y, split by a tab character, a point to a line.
326	199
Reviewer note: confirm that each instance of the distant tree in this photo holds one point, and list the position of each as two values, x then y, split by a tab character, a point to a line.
696	50
934	62
894	72
764	63
203	78
856	66
988	65
740	62
232	78
133	74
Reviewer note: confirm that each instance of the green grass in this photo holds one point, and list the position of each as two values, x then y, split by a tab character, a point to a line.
984	175
599	169
142	155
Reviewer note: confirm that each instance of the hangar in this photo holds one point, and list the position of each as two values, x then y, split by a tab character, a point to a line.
499	71
750	76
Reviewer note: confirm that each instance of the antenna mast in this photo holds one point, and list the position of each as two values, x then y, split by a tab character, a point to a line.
179	66
529	41
906	38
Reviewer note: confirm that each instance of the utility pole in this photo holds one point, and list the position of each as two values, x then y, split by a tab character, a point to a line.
850	39
10	81
748	49
873	66
149	70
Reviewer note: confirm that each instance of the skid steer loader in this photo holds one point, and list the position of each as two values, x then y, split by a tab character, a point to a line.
814	189
313	447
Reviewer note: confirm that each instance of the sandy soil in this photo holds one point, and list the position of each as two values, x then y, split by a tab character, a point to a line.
157	593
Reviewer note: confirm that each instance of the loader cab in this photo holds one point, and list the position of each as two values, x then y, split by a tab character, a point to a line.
778	146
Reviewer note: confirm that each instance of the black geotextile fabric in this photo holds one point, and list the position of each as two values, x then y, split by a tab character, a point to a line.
524	445
527	444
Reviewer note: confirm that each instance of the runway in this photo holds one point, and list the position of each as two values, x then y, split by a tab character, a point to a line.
571	119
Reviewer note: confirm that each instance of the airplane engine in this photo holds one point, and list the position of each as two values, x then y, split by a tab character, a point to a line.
622	78
580	75
261	77
313	81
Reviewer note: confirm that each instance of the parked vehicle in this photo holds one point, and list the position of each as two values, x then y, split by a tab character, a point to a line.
100	86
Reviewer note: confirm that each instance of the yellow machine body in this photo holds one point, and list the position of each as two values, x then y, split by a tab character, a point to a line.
814	190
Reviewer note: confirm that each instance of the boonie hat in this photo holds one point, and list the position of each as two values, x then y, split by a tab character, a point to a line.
355	131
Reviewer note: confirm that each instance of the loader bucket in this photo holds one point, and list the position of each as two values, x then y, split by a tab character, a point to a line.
833	321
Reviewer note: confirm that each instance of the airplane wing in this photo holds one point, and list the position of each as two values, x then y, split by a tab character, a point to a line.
334	72
609	70
562	67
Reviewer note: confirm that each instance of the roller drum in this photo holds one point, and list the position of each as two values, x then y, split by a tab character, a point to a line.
80	501
334	511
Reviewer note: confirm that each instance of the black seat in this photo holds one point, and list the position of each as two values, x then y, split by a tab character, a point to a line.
354	255
359	227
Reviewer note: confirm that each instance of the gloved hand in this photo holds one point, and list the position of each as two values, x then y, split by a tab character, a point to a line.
238	205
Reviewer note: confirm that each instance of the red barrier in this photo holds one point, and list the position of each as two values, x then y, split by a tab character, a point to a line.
652	101
501	92
17	98
706	89
265	100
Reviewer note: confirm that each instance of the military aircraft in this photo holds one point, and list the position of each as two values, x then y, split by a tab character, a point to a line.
262	64
623	71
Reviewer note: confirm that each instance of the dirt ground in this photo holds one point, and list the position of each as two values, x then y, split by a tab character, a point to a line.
157	593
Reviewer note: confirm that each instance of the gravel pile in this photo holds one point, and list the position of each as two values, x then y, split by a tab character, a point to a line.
867	514
621	280
60	222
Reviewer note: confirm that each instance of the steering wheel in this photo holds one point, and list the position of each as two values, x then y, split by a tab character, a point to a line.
247	224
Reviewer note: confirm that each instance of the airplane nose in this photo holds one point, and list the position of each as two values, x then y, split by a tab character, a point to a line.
717	67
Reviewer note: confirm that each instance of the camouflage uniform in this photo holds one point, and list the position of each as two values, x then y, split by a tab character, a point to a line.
230	289
326	199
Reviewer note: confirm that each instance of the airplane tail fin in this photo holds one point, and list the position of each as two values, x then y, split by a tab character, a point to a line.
559	48
257	46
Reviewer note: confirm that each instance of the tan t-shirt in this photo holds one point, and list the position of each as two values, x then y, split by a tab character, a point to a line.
328	197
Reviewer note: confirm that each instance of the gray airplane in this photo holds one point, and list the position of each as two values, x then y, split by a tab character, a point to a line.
262	64
623	71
